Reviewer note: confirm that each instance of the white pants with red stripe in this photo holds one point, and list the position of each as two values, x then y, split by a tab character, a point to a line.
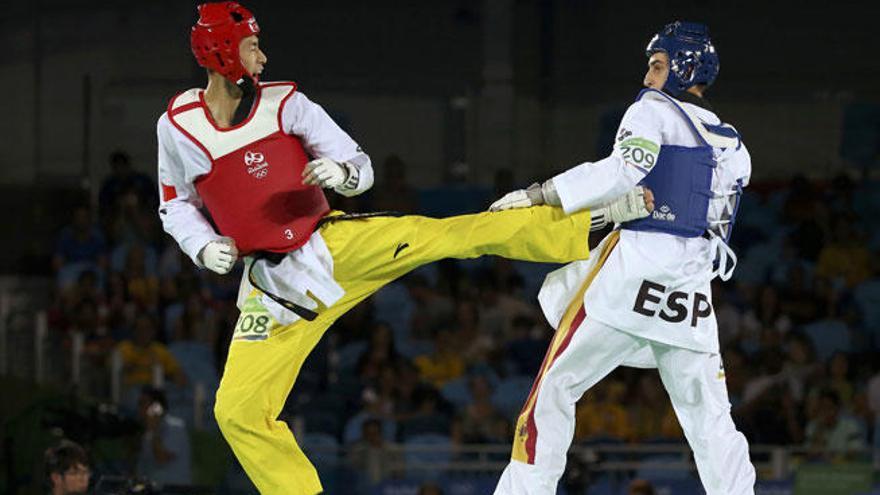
695	383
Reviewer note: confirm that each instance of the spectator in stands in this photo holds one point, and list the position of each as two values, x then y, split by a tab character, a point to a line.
839	379
165	455
830	434
394	193
737	371
379	354
498	309
873	400
507	278
798	298
221	288
88	287
805	212
800	366
841	197
63	315
650	411
433	309
87	321
178	294
846	260
408	390
378	395
828	296
373	407
430	488
729	314
773	393
479	420
768	412
80	247
143	286
143	352
121	311
98	345
766	314
640	487
444	363
172	261
67	469
125	185
195	320
600	414
501	433
128	211
371	455
528	343
192	346
873	390
474	345
430	417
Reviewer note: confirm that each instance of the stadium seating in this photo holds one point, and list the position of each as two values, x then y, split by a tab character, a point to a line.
432	460
511	393
828	337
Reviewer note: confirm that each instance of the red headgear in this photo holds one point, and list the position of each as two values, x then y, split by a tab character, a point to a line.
215	37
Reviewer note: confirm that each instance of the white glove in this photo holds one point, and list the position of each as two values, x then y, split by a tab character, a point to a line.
635	204
219	256
325	172
521	198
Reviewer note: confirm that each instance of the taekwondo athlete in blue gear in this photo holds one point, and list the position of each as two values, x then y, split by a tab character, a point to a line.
644	296
682	178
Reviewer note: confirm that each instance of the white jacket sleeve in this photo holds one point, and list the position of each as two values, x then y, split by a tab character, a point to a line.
322	137
636	148
179	203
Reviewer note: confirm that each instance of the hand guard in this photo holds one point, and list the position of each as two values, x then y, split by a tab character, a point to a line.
631	206
325	173
219	256
521	198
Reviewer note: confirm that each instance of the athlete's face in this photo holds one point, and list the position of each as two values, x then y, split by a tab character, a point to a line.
658	71
252	58
73	481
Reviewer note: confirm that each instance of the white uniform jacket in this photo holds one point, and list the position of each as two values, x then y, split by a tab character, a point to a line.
650	276
182	162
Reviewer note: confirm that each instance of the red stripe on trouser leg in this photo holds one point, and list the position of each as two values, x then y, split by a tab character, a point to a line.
537	381
530	424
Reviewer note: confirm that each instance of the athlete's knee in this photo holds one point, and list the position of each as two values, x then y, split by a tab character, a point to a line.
224	414
559	385
719	421
232	415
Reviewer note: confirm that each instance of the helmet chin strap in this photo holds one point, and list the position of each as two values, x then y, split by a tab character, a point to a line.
247	86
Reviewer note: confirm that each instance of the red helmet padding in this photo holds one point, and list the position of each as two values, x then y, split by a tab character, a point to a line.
215	37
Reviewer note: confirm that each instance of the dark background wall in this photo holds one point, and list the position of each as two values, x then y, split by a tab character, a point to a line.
390	69
529	85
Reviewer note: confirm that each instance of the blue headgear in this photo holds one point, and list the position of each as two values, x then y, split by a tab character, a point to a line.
692	58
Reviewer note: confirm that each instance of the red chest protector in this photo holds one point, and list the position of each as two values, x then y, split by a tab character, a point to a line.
254	191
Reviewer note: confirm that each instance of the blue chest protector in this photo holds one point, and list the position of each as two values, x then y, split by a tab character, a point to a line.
681	181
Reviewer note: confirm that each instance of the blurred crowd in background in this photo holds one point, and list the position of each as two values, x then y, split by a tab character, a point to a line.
447	355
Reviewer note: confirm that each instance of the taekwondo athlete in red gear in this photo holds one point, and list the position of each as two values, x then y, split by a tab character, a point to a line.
256	157
643	298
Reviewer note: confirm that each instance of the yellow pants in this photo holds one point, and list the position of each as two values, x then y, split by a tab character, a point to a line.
367	254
